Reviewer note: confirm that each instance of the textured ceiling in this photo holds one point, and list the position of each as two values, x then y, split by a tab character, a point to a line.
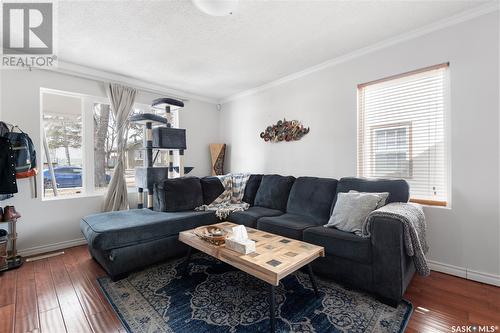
173	44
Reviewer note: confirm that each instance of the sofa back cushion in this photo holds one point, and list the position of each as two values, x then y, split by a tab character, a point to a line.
177	194
312	197
251	188
211	187
399	190
273	191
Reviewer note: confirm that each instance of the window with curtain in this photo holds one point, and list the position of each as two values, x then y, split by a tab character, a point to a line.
79	144
105	144
402	132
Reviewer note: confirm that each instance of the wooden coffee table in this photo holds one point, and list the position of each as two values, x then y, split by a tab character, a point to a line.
275	257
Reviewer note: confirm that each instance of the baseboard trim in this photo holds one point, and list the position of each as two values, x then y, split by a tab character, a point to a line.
448	269
51	247
484	277
465	273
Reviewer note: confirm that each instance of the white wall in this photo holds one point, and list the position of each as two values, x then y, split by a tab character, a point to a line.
46	225
465	236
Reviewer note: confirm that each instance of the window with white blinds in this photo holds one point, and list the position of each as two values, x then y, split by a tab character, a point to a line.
401	132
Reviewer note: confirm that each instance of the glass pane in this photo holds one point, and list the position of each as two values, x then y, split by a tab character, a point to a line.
391	152
402	132
105	151
62	123
135	153
392	165
105	148
160	157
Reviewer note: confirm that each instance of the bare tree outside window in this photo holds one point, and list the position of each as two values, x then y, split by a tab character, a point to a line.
101	129
105	149
64	132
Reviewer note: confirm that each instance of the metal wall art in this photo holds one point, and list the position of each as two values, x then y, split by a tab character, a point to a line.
284	130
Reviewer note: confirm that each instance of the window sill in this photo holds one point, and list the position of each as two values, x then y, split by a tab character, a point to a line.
84	195
432	203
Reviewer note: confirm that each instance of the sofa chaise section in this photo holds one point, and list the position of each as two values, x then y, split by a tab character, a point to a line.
125	241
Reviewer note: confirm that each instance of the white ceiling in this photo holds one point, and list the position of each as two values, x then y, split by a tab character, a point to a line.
173	44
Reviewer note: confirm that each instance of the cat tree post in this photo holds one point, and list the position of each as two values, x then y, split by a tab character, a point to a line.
171	164
181	163
148	162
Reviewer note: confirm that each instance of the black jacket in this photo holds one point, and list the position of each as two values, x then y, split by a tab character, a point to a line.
8	184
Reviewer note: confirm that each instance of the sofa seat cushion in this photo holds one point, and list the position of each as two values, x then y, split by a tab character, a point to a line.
288	225
340	243
250	216
111	230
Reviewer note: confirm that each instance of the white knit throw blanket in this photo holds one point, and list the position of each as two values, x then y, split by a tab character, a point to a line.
231	199
413	219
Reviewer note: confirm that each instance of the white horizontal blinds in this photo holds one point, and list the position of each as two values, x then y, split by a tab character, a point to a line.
401	131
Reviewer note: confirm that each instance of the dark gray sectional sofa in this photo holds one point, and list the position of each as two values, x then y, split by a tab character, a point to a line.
292	207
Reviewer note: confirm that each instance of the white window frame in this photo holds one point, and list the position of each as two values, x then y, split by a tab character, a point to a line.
88	167
447	131
84	192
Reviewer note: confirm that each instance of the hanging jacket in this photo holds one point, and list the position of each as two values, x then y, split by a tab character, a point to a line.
8	183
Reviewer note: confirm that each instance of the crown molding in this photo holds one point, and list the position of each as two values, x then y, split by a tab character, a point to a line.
444	23
105	76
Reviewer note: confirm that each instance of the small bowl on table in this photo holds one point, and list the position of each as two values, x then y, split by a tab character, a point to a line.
212	234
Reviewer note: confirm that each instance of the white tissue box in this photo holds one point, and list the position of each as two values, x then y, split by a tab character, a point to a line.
246	246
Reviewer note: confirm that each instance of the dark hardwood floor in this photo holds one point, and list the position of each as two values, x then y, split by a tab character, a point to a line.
61	294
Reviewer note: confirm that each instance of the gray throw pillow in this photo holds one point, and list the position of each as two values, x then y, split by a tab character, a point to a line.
383	197
351	210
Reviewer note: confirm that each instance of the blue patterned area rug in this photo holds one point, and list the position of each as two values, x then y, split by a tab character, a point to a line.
214	297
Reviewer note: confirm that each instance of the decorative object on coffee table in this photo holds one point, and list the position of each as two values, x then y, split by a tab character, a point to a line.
284	130
238	240
212	234
275	258
163	136
217	152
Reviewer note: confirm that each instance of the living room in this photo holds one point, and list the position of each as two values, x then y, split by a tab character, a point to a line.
241	166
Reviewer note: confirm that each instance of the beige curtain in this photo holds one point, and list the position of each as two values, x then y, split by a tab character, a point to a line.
121	100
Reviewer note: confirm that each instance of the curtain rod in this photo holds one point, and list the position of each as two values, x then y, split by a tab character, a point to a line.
108	80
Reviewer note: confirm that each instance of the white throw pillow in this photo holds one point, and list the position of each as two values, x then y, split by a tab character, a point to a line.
352	209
